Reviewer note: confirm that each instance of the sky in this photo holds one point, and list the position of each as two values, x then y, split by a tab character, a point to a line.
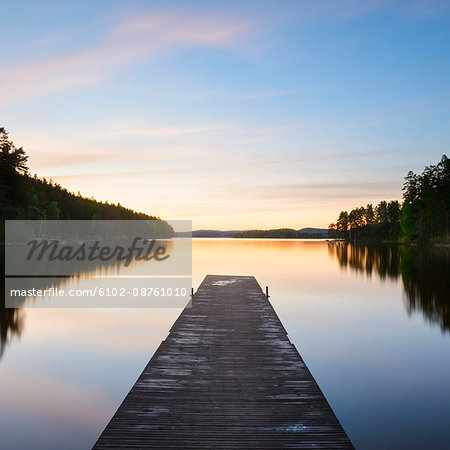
232	114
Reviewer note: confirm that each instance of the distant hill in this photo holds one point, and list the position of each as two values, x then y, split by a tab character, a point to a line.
283	233
208	233
214	233
322	231
304	233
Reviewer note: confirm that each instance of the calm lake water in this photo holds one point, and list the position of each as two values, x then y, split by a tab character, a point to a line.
372	324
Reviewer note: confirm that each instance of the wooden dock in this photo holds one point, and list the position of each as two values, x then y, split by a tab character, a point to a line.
226	376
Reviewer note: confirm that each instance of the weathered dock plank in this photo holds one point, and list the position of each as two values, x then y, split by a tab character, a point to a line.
226	376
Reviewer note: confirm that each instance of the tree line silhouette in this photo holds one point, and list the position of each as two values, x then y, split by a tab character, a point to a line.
25	197
424	214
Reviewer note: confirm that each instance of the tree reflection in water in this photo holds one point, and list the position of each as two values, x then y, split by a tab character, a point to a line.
12	320
425	273
11	323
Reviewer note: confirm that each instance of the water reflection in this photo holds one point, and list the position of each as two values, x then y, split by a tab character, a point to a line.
379	370
425	273
12	320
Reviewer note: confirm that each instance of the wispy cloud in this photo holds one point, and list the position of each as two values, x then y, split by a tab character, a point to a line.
168	132
266	94
144	36
135	39
204	94
323	190
106	141
174	27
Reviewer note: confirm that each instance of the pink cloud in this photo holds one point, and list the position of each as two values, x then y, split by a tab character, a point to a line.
135	39
175	28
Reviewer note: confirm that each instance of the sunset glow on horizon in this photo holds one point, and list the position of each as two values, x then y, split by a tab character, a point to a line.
236	116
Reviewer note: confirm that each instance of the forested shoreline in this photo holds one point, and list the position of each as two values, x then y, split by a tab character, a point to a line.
423	216
28	197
